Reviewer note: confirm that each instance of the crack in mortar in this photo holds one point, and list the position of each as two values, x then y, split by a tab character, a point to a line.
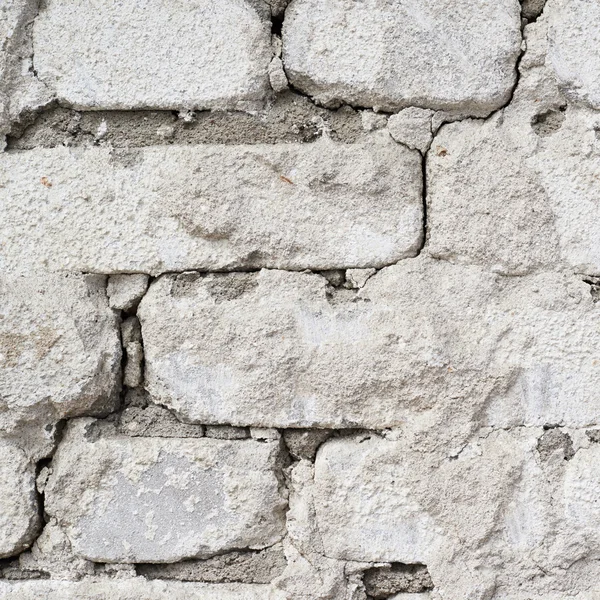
532	10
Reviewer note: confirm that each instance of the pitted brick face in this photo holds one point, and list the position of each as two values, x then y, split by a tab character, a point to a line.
192	54
182	498
447	55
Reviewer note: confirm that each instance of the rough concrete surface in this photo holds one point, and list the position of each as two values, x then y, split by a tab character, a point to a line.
260	566
134	589
574	48
494	504
188	55
131	338
19	512
384	582
125	291
155	421
518	192
287	350
412	127
59	349
20	91
130	499
392	55
299	300
291	118
321	206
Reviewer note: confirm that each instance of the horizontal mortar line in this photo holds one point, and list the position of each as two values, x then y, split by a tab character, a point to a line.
343	431
308	270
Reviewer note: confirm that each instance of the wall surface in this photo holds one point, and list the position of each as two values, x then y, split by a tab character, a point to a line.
298	300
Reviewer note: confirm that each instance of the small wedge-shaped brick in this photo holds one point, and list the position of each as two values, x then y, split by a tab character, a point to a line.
319	206
19	512
20	90
456	55
581	502
422	337
134	589
60	351
123	499
153	54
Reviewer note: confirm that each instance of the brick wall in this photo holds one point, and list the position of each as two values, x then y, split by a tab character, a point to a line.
298	299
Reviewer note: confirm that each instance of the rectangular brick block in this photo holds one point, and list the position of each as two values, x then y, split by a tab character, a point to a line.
398	54
122	499
134	589
519	192
532	197
188	54
381	500
423	342
60	351
321	206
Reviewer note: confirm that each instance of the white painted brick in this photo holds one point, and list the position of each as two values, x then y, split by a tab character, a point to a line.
320	206
574	48
581	497
494	201
282	349
134	589
151	54
379	500
60	350
518	192
397	54
19	512
123	499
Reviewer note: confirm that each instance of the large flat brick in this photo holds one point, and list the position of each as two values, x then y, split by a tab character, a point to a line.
581	498
321	206
474	519
151	54
422	342
19	511
448	55
134	589
123	499
518	192
60	350
513	203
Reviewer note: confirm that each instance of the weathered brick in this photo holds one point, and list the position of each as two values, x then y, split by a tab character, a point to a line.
495	202
381	500
320	206
397	54
60	350
574	48
20	90
124	499
581	497
190	54
134	589
424	337
518	192
19	512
